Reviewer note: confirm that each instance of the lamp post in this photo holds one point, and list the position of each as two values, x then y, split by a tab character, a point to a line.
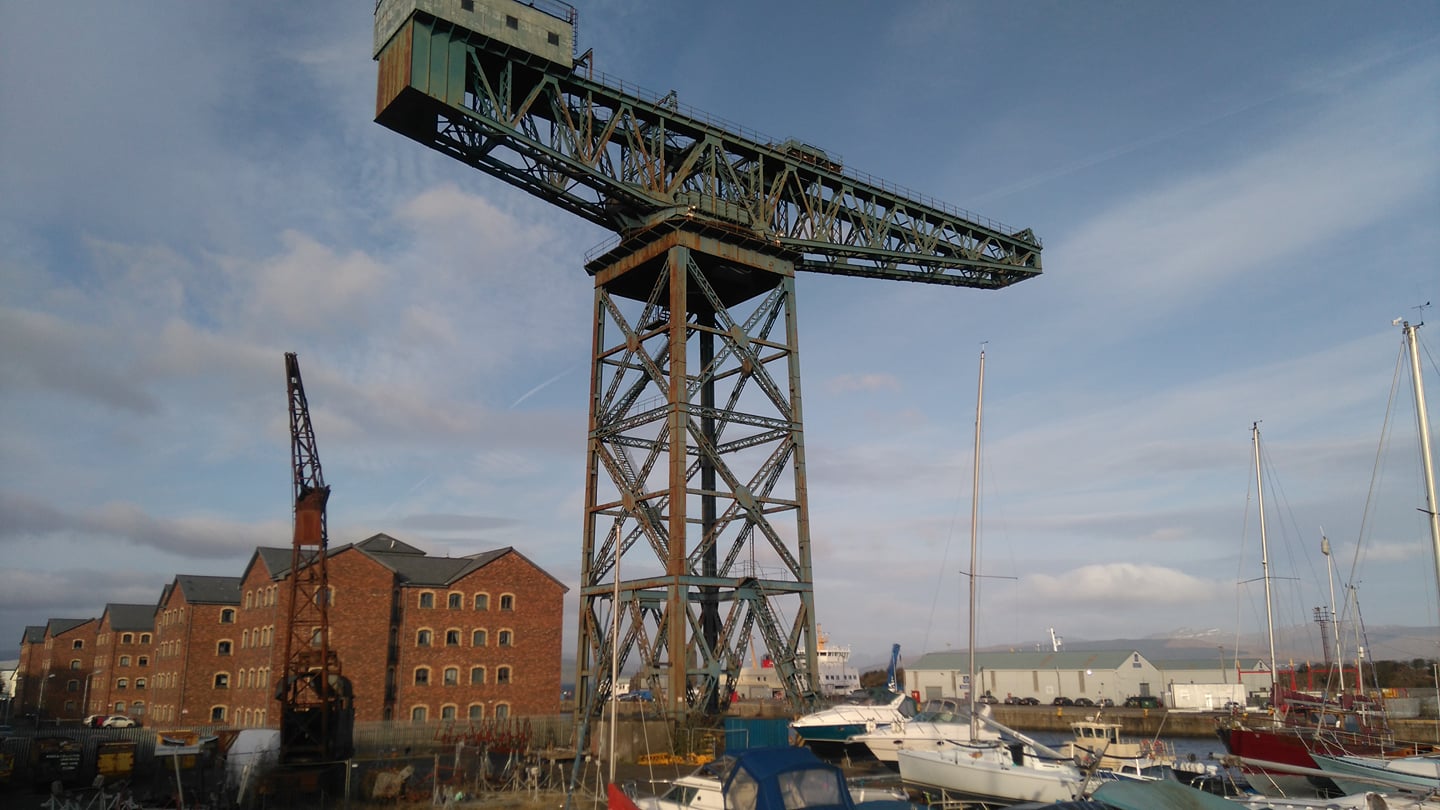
40	707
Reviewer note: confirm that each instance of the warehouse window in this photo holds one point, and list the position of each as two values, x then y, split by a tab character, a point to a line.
422	676
477	675
427	599
454	601
452	638
452	676
482	601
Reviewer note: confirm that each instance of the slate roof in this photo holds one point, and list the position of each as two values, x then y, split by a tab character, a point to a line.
414	569
1088	659
130	617
58	626
202	590
34	634
386	544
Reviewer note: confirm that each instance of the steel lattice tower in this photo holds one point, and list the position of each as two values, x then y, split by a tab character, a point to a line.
696	530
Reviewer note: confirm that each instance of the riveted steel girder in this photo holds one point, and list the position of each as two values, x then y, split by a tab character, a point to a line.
627	162
696	527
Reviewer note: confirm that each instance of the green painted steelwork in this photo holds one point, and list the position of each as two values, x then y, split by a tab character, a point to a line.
695	369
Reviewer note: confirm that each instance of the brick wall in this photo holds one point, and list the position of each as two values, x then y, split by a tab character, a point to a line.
533	625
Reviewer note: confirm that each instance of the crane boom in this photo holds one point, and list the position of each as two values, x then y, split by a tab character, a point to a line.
627	161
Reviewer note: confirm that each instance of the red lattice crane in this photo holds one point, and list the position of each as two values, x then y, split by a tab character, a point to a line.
316	701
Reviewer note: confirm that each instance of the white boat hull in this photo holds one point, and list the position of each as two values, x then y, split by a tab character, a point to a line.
987	774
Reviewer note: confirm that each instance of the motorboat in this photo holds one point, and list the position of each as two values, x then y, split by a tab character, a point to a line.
940	723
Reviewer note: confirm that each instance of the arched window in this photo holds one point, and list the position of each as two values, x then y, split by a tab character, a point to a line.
452	676
482	601
427	599
217	714
124	660
139	683
417	714
422	638
222	647
122	684
506	638
477	638
144	638
422	676
244	639
452	638
507	601
455	601
477	675
502	674
119	707
447	712
75	663
477	711
502	711
143	661
77	644
227	616
222	680
126	638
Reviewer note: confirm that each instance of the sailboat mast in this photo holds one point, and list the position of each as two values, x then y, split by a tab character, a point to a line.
975	534
1264	556
1423	418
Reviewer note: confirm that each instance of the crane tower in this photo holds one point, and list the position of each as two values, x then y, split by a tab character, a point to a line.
316	706
696	532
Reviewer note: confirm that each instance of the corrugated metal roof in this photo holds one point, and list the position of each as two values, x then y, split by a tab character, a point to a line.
1089	659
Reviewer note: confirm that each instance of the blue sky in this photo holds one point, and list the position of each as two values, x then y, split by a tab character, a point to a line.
1236	199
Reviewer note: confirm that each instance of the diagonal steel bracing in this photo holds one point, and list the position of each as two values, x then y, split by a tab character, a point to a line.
696	474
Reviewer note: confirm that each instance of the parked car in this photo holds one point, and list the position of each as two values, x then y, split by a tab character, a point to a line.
95	720
1084	702
1104	702
1232	706
1062	701
1030	701
987	698
119	721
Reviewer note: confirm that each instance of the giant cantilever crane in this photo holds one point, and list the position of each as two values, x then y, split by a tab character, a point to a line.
316	714
696	463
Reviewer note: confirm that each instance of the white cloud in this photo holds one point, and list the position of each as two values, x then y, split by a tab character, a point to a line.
1125	586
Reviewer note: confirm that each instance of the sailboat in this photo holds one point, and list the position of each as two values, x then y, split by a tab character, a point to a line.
1287	757
1011	769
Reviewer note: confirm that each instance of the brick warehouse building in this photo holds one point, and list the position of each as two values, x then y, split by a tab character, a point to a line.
419	637
120	675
